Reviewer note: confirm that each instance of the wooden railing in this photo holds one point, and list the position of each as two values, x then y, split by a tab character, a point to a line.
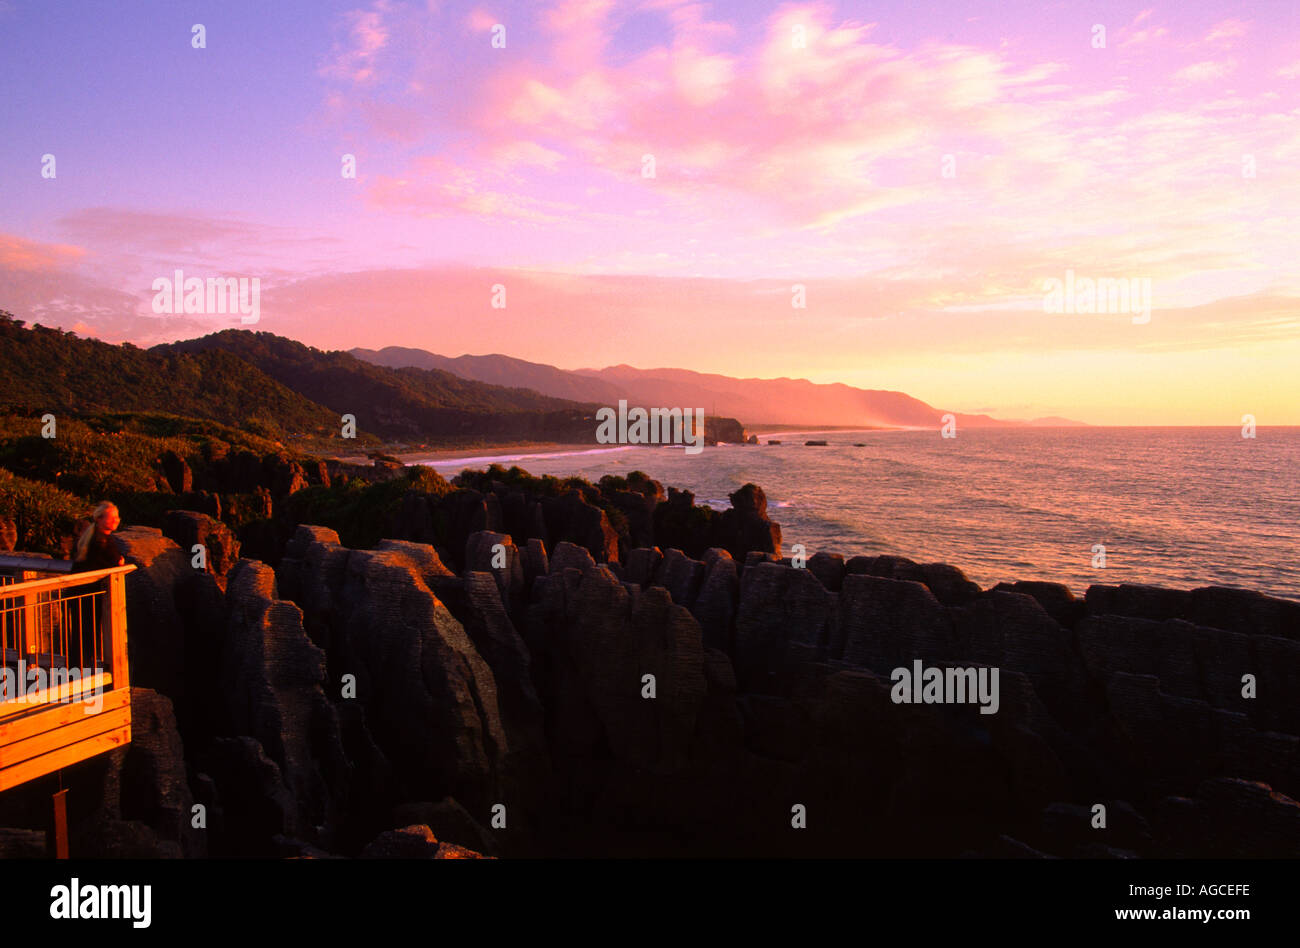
64	678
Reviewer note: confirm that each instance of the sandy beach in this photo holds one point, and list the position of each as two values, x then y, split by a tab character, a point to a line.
474	453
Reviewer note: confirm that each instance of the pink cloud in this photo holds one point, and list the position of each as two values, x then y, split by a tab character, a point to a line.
1132	36
578	30
353	59
1225	32
480	21
842	138
18	253
1205	71
702	79
436	187
546	311
526	153
144	230
745	125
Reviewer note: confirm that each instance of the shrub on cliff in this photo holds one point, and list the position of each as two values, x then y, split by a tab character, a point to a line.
115	453
124	457
85	462
642	483
359	511
679	523
638	482
45	517
146	508
516	478
427	481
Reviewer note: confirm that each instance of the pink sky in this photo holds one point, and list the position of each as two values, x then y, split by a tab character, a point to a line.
921	175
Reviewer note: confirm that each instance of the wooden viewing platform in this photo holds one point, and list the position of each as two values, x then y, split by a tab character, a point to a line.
64	681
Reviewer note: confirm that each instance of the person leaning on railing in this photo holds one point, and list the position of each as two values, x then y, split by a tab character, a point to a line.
96	549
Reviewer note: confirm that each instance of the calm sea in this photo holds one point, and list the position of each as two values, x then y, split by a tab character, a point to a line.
1180	507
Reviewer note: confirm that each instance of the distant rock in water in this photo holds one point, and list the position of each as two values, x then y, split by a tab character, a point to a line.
820	444
725	430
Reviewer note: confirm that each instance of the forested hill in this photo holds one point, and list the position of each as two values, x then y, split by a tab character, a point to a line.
407	403
272	386
47	370
329	376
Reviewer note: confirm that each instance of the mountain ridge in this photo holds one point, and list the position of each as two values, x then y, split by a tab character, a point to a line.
783	401
404	402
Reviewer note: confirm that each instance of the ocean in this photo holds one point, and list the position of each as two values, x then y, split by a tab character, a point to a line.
1177	507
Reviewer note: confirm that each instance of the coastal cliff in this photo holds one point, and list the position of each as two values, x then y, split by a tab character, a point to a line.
517	668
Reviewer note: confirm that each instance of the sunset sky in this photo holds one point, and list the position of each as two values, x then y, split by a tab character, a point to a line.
793	143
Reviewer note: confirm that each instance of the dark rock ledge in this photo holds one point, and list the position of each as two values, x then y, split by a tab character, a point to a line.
416	701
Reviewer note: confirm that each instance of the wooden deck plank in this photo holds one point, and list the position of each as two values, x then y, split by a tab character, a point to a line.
64	757
67	735
44	718
69	691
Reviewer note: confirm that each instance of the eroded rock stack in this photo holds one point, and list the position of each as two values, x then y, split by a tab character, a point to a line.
554	691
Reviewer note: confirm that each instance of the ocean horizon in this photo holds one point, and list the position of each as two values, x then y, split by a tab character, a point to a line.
1172	506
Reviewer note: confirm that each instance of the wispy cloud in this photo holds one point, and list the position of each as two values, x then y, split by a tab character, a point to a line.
354	57
1205	71
681	164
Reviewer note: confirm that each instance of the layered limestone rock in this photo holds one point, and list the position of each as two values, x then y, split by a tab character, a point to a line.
430	698
189	528
684	693
273	679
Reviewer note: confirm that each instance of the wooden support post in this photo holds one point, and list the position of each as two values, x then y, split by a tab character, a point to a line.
61	825
116	630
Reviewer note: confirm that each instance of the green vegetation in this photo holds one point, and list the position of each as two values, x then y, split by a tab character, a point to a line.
600	495
83	459
396	403
636	481
519	479
45	516
45	370
333	377
272	388
166	425
224	407
361	513
105	455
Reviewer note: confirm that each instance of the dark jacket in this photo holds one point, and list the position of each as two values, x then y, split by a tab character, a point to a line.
102	553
